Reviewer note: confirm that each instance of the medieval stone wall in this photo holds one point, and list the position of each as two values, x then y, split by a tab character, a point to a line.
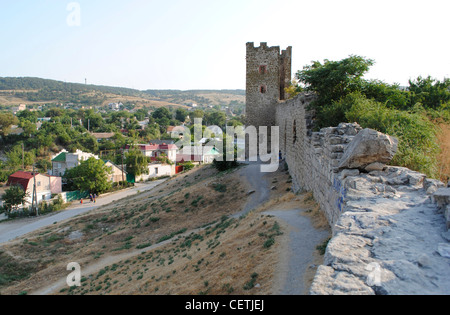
389	232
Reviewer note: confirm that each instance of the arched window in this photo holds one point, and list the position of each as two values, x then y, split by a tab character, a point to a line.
263	89
262	69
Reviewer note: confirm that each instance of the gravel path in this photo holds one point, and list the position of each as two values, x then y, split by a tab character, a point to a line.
298	256
303	238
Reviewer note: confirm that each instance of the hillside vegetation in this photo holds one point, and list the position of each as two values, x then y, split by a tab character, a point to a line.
176	239
416	115
14	91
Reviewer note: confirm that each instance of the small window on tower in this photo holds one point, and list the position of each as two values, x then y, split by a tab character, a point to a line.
262	89
262	69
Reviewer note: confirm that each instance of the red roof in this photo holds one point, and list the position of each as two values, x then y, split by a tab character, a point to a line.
188	158
20	178
154	147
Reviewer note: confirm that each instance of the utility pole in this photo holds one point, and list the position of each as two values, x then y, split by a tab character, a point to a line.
23	157
123	179
34	198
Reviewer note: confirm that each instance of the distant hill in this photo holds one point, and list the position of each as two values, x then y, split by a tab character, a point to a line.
30	91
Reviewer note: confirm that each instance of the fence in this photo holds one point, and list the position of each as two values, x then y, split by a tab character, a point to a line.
74	195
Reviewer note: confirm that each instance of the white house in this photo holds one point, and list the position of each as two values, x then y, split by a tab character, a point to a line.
157	170
65	161
155	151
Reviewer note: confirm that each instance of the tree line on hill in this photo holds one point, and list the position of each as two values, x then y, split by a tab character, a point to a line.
412	115
72	129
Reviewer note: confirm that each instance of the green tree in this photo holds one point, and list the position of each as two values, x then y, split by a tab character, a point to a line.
91	175
14	158
430	92
216	118
198	113
13	198
28	127
136	162
333	80
162	113
181	114
6	121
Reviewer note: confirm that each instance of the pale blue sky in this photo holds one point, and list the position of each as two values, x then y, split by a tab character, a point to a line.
200	44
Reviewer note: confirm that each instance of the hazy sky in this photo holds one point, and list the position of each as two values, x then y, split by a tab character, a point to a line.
200	44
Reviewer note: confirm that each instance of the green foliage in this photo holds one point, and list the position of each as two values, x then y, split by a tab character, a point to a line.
15	157
11	270
334	79
430	92
220	188
91	175
344	96
187	166
181	115
13	198
6	121
136	162
417	135
215	118
251	284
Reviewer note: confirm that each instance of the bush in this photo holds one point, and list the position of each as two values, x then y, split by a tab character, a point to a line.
224	165
187	166
418	146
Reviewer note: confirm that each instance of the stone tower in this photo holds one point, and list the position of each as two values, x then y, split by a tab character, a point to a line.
268	74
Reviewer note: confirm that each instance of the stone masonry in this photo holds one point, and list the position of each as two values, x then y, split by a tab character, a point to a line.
268	73
389	231
390	224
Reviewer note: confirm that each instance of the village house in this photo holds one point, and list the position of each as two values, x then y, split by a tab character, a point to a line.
46	185
20	108
117	175
154	150
65	161
101	136
156	169
198	154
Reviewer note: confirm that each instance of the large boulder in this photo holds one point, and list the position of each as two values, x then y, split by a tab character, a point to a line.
368	147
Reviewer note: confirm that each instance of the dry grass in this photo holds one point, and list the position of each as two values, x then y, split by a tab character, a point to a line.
182	204
176	239
444	157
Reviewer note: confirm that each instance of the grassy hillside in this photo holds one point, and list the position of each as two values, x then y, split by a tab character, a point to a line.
32	91
176	239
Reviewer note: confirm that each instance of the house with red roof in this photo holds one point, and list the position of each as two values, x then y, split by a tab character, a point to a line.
46	185
155	150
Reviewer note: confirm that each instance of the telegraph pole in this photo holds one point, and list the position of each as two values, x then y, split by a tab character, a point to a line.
123	179
23	157
34	198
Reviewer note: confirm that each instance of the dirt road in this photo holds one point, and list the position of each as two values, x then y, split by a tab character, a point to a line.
10	230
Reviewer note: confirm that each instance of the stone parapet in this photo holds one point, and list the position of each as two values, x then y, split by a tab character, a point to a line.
389	235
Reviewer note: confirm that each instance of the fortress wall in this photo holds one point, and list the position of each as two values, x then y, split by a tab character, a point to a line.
312	157
389	236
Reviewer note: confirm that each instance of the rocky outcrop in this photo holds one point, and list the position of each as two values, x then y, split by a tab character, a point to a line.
369	150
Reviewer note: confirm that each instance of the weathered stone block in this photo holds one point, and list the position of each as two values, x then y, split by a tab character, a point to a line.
347	173
369	146
375	167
